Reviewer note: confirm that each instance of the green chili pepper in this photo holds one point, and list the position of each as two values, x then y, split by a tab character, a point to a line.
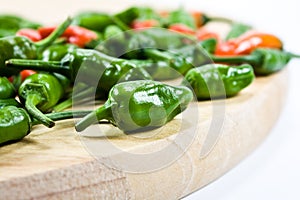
92	65
15	123
10	24
56	52
264	61
140	105
127	16
95	21
114	43
237	30
40	92
7	90
181	16
9	102
23	48
218	81
182	59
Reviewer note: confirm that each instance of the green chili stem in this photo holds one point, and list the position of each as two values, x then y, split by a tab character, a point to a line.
40	65
32	100
64	115
68	102
43	44
220	19
119	23
294	55
250	59
103	112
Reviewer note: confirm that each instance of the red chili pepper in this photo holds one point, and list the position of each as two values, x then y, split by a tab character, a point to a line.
25	73
203	34
182	28
149	23
248	42
31	34
226	48
75	34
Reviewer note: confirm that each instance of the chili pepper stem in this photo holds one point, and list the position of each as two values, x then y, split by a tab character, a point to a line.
251	59
220	19
104	112
31	102
63	115
40	65
43	44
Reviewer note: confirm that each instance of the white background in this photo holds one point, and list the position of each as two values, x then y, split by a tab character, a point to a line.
273	170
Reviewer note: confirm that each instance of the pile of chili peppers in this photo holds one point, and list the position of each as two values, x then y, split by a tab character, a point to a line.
39	67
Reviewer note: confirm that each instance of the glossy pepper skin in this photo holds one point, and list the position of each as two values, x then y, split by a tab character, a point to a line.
92	66
140	105
7	90
23	48
15	123
218	81
95	21
40	92
9	102
264	61
56	52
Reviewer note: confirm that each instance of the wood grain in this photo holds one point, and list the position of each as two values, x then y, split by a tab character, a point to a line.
58	163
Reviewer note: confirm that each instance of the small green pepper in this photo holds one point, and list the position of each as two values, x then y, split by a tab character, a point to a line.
56	52
181	16
7	90
10	24
9	102
92	66
218	81
114	43
23	48
95	21
40	92
264	61
15	123
183	59
140	105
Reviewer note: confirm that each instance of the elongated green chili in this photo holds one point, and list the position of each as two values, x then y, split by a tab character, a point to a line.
92	65
264	61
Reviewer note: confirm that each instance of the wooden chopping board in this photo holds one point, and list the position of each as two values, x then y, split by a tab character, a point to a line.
58	163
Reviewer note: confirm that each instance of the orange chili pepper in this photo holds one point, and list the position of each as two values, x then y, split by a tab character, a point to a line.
247	43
